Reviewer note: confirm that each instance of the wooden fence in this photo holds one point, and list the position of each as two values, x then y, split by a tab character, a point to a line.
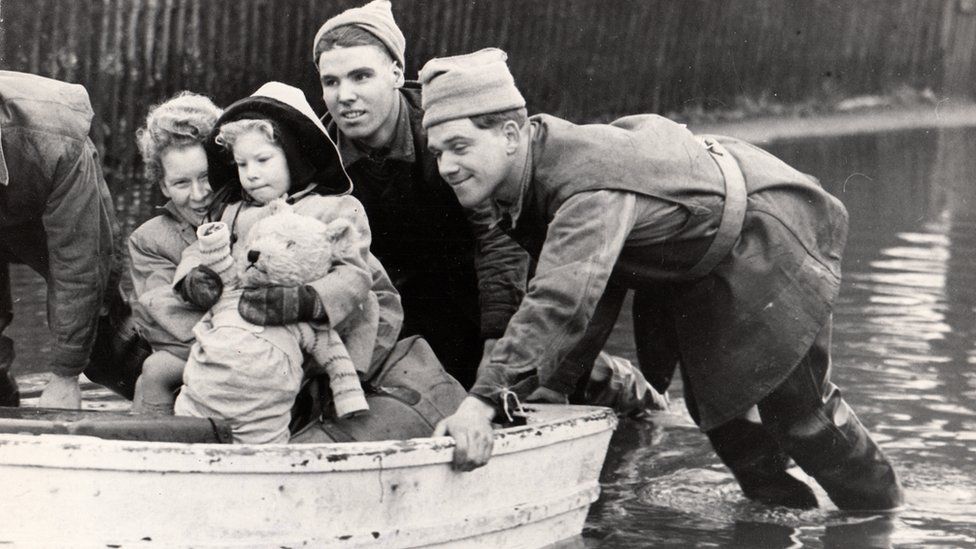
583	59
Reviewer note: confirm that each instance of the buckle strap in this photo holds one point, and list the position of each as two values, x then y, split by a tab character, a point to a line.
733	211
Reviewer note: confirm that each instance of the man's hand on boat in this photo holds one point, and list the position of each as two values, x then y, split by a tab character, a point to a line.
61	392
471	428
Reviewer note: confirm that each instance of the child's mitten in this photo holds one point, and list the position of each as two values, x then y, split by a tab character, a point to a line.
201	287
279	305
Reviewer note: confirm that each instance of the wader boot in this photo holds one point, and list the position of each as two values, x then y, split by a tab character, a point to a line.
814	426
755	459
9	393
832	446
759	465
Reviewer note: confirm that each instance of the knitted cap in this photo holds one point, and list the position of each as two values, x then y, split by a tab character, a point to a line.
375	18
467	85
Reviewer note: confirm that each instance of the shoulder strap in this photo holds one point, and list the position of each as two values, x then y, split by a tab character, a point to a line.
733	211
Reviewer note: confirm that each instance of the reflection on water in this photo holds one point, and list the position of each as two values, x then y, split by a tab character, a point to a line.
904	352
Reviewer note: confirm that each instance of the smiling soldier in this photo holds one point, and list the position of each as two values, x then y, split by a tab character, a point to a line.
733	256
459	279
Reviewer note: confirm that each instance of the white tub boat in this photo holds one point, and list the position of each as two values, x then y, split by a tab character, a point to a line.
75	491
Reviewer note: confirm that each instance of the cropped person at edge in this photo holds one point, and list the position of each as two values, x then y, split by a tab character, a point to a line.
57	217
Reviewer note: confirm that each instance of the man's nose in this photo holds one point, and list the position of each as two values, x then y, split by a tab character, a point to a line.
446	166
253	255
347	92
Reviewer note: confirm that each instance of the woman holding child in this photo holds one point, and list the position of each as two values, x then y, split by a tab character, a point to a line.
228	167
171	145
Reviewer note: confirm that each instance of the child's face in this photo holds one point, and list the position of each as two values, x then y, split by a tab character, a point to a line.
262	167
185	181
473	161
359	86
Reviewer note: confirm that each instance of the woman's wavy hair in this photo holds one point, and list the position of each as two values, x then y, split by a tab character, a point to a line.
185	119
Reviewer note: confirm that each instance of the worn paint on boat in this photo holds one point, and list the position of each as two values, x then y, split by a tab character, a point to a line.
63	490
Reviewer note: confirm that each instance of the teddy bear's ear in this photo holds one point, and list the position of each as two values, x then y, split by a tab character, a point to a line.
341	233
278	205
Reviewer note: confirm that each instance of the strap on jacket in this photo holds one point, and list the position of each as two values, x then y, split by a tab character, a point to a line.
733	212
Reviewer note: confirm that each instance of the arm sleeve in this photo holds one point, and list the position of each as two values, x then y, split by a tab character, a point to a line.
347	284
502	266
575	264
148	268
166	319
80	227
191	258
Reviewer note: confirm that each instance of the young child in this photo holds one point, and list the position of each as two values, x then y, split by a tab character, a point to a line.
251	374
269	146
734	258
171	145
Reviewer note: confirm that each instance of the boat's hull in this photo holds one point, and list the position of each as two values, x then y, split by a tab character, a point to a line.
71	491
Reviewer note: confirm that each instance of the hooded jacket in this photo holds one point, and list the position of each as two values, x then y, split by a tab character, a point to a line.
56	213
320	188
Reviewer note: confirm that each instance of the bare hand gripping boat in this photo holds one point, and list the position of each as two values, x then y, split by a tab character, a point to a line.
65	487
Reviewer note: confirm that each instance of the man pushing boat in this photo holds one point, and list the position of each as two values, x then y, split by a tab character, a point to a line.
732	255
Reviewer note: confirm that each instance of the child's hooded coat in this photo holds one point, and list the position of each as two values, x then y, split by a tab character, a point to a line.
321	189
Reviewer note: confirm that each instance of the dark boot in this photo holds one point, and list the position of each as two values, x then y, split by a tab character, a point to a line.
832	446
9	393
759	465
813	425
117	355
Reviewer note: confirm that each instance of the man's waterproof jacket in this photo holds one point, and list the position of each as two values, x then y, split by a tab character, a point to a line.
56	214
635	204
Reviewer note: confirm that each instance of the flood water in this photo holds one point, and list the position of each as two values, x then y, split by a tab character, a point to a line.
904	355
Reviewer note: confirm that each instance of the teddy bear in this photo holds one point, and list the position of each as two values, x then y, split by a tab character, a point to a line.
251	374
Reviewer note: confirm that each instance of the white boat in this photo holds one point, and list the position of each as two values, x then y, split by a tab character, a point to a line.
77	491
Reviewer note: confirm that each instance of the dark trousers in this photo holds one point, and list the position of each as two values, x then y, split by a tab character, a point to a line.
447	317
19	244
805	418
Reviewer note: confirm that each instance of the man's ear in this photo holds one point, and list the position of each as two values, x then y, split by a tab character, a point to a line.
513	136
398	75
